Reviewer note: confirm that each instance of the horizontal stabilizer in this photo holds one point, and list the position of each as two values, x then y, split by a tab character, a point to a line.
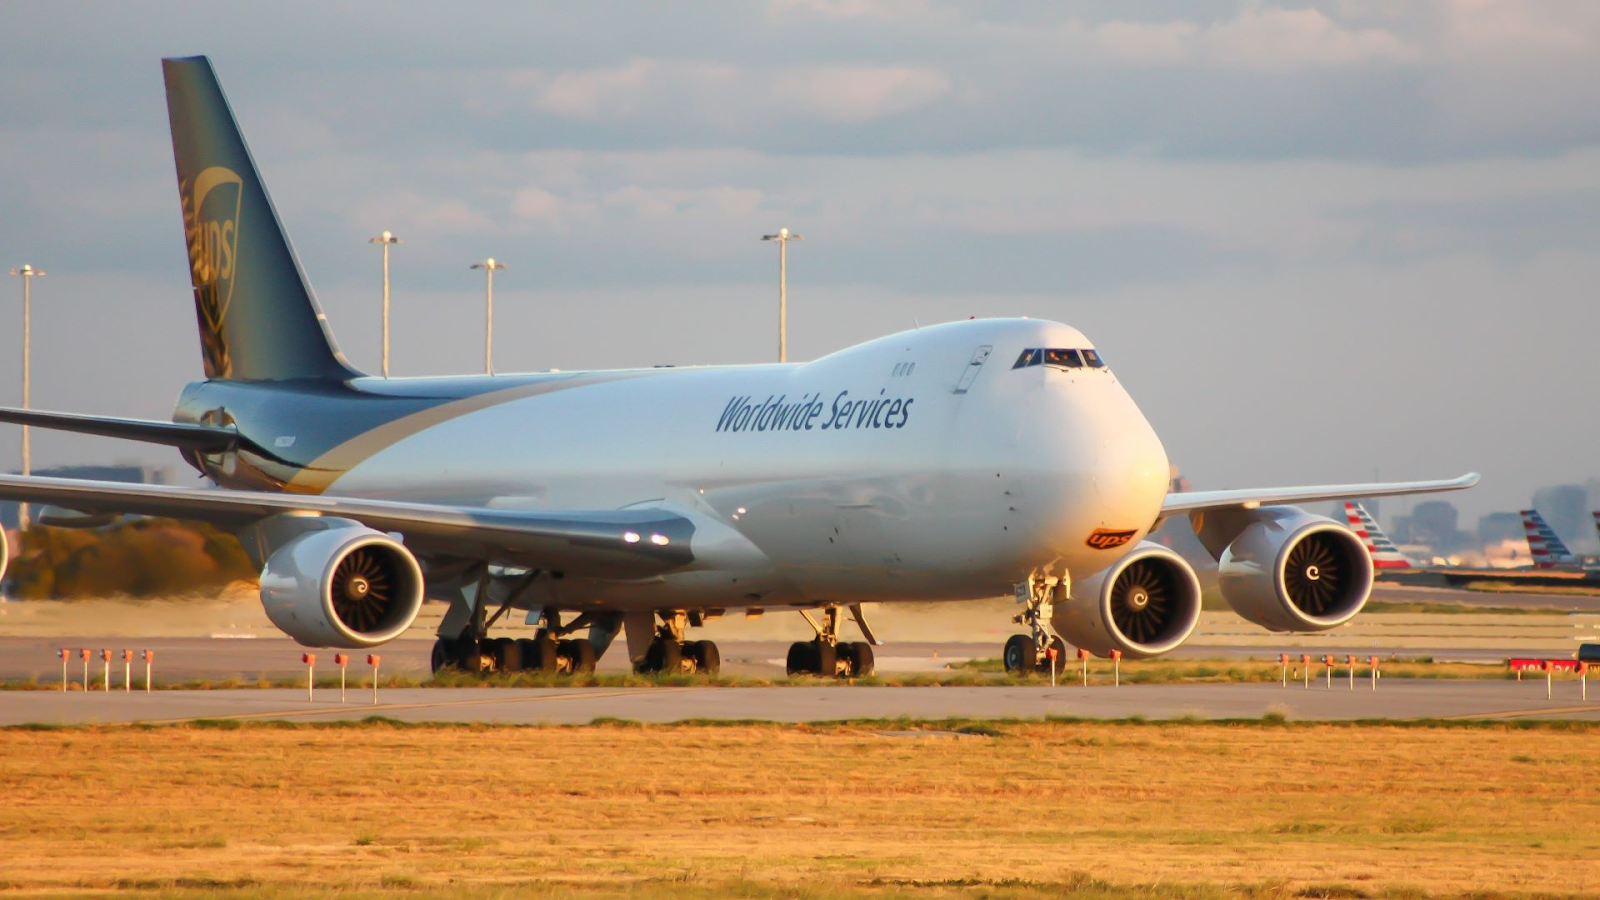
199	438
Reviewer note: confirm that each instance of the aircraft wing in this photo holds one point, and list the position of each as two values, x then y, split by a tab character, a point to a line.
199	438
1250	498
615	543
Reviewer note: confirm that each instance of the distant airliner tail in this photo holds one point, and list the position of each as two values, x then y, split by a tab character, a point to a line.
1544	544
1385	555
258	318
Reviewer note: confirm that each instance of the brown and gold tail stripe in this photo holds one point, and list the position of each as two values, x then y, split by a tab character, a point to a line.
330	466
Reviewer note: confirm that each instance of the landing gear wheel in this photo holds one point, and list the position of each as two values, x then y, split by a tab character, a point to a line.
544	658
507	657
471	656
799	661
530	654
444	656
578	654
1060	647
665	657
707	659
1020	655
858	659
826	656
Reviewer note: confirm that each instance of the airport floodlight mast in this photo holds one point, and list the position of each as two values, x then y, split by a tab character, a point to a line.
385	239
488	266
783	237
28	273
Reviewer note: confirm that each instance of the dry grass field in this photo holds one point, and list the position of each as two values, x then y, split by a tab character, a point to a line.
1002	810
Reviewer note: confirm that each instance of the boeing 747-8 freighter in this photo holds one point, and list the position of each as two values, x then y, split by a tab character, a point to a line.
953	462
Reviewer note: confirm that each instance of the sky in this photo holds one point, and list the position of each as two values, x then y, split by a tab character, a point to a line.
1318	242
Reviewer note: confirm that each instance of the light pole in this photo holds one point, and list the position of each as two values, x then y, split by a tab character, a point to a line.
28	273
488	266
783	237
385	239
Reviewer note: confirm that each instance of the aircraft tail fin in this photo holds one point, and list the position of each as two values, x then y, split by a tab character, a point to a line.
1385	555
259	320
1544	544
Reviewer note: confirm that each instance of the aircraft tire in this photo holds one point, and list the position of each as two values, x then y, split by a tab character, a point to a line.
443	656
579	654
826	656
507	655
530	654
1019	655
859	656
799	662
666	657
470	656
707	658
545	659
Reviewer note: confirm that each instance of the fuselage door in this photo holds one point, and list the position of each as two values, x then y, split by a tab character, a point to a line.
979	357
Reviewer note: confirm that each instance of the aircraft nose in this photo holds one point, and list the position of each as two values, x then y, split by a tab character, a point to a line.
1131	476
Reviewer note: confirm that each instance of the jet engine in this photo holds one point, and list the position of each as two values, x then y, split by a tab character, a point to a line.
1145	605
342	586
1289	570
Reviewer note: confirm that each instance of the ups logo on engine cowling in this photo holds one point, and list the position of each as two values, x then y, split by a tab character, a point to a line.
1106	539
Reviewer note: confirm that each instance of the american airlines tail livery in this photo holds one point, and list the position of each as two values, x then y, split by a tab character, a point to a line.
955	462
1385	555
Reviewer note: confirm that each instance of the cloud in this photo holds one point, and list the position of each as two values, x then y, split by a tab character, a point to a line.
729	98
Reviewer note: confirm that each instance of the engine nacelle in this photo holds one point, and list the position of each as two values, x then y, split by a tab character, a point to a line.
344	586
1290	570
1145	605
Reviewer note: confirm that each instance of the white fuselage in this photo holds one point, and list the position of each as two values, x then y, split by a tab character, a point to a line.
923	493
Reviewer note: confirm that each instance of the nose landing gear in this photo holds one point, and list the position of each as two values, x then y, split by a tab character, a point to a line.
1028	653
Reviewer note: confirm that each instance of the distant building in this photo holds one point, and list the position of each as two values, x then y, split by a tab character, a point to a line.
1497	527
1432	523
131	473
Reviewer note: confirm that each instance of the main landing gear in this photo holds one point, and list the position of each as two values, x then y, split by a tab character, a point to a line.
670	654
824	655
548	651
1029	653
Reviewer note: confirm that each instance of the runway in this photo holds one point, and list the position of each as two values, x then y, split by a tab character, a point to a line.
1394	699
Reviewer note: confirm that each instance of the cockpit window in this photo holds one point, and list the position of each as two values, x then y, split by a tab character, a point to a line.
1065	359
1060	358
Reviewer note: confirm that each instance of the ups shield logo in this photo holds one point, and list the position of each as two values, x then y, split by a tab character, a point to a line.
211	226
1106	539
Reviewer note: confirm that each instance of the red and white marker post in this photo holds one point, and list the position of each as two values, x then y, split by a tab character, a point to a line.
341	660
1549	679
105	657
310	659
83	654
1051	652
1116	668
1283	660
1327	663
127	671
65	655
1583	679
149	657
1373	662
372	660
1351	662
1083	658
1305	665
